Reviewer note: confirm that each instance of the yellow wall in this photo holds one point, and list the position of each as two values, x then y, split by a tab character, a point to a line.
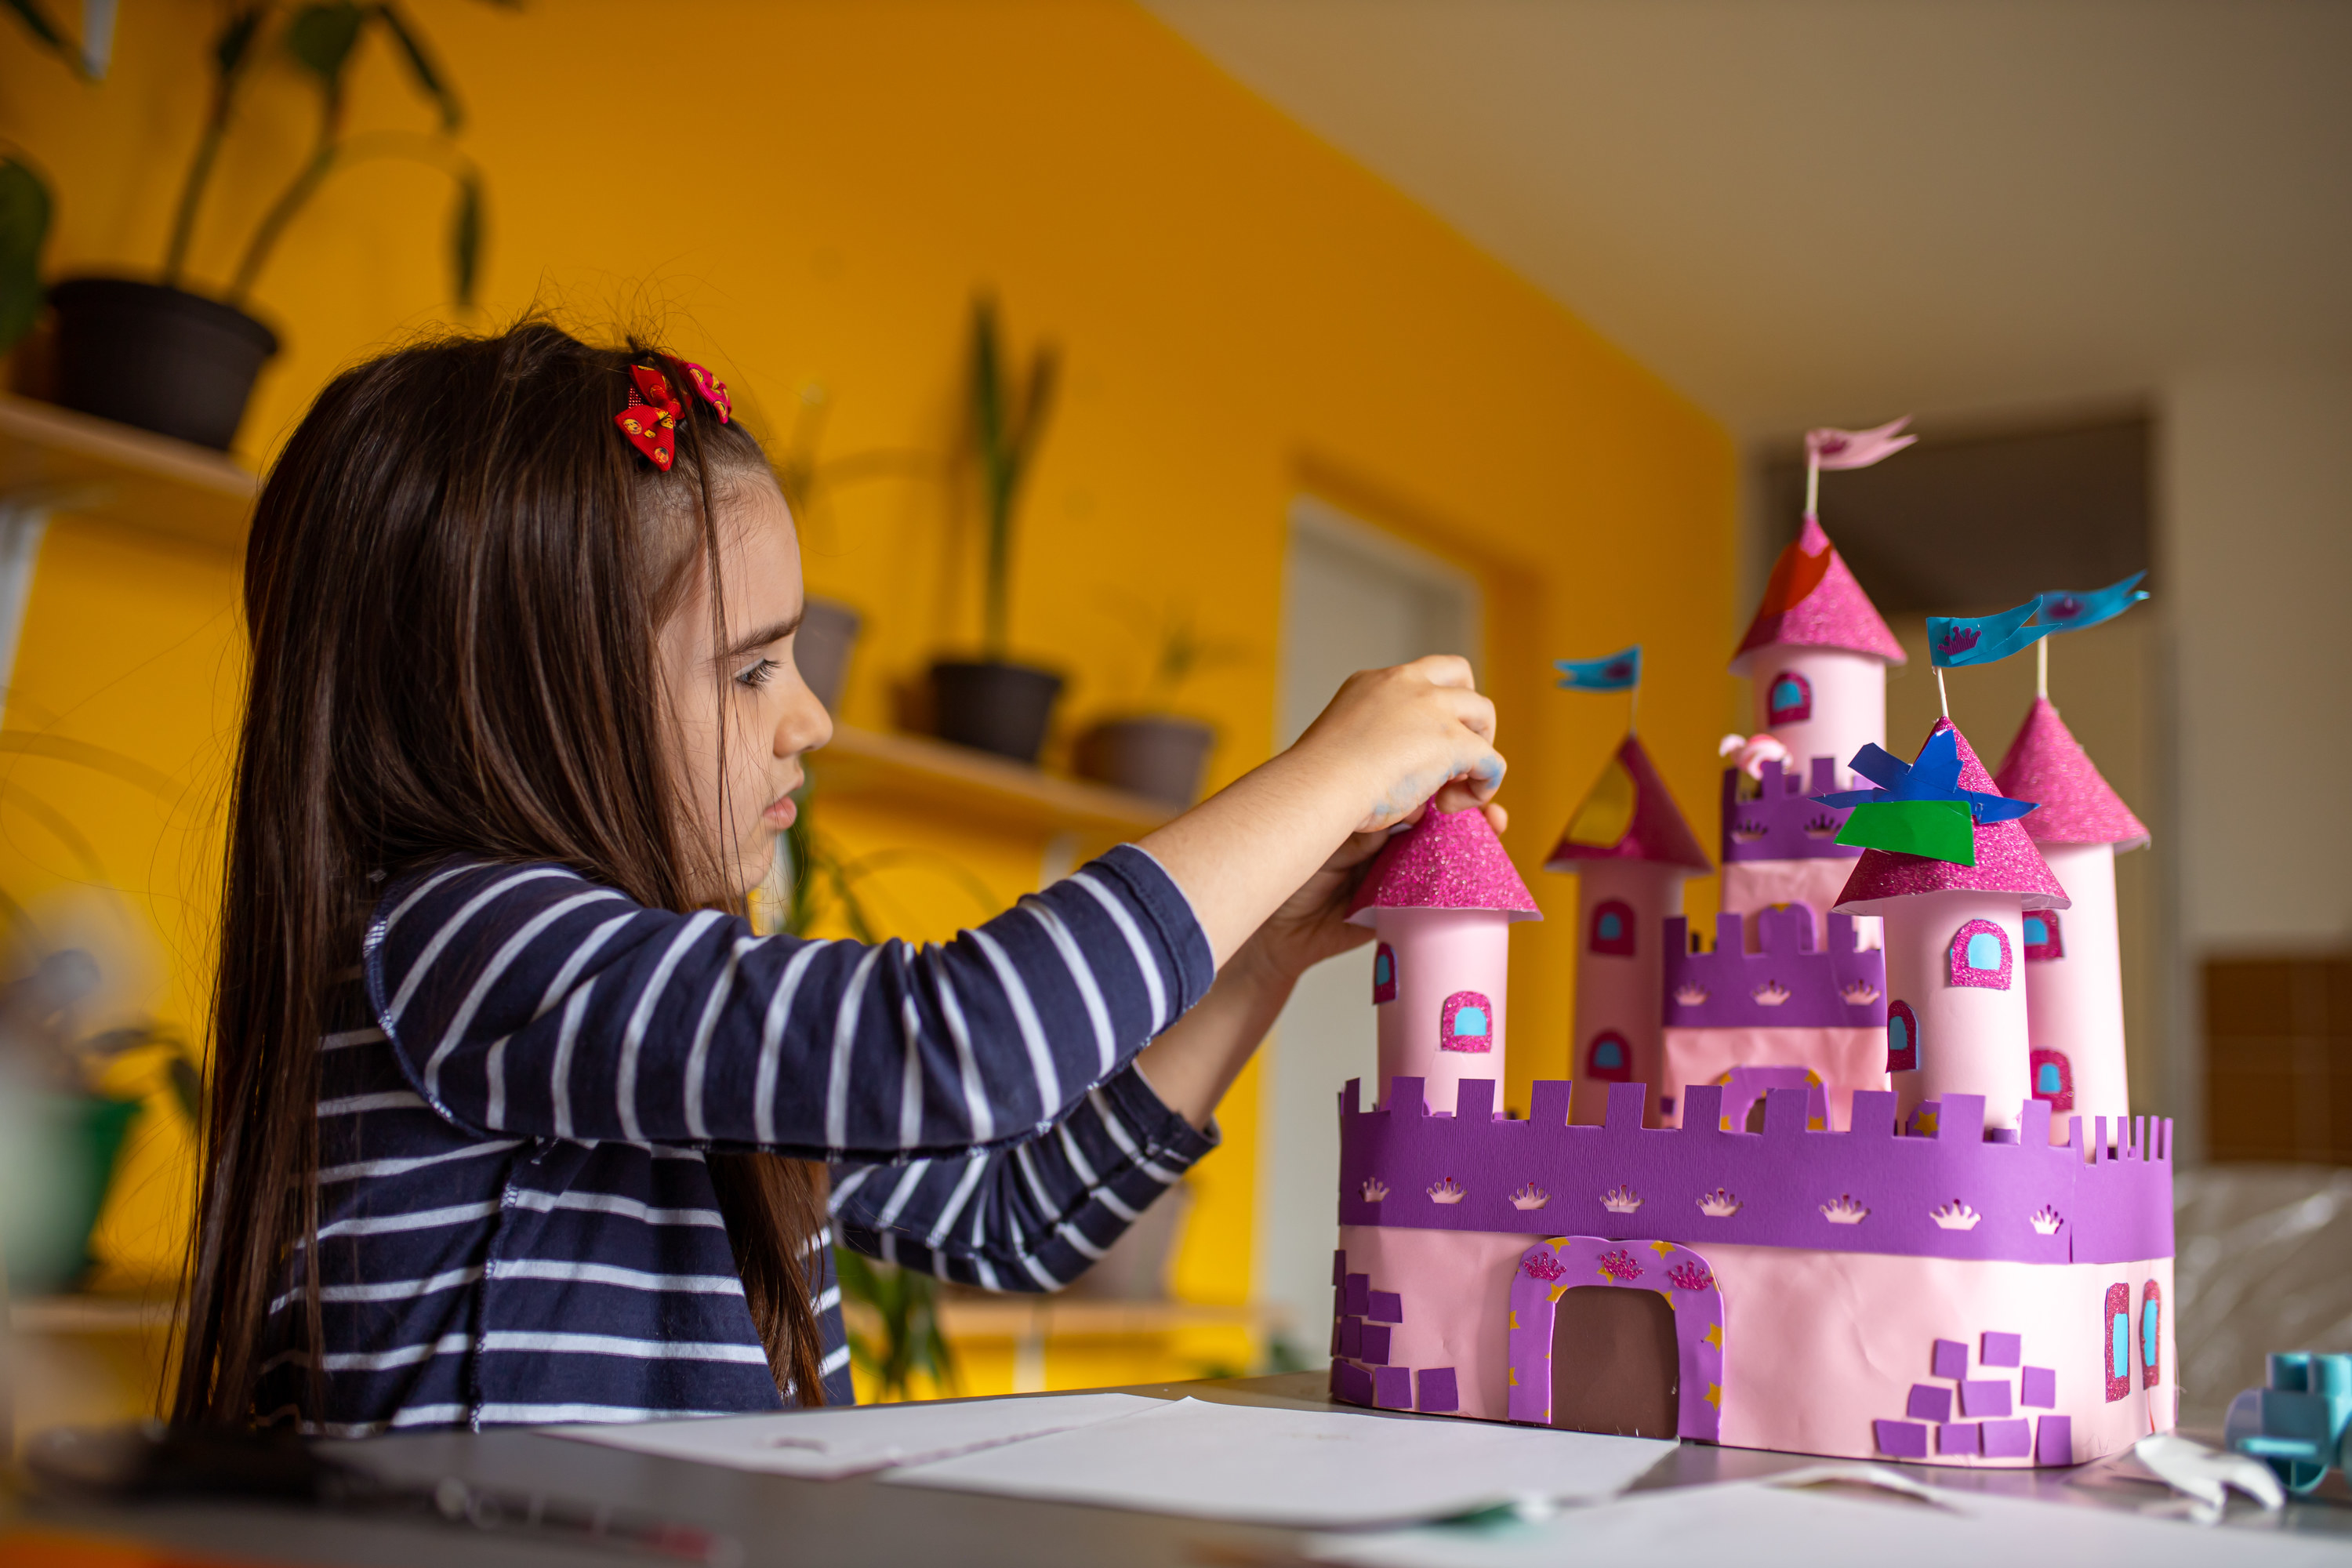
810	193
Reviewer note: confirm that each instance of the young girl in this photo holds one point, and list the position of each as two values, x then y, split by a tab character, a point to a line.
514	1119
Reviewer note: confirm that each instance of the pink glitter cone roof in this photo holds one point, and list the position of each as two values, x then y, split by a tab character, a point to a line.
2007	861
1447	860
1657	831
2045	762
1813	601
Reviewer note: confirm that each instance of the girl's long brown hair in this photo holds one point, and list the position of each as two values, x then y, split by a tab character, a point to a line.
457	571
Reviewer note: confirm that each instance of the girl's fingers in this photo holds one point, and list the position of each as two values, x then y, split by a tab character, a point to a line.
1445	670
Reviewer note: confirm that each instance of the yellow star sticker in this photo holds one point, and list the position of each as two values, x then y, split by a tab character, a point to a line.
1515	1378
1514	1320
1714	1335
1557	1292
1715	1395
1662	1248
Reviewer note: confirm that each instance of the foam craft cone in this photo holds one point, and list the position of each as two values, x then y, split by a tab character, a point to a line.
1939	829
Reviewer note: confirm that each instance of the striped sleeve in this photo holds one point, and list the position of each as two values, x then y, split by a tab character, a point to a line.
522	1000
1030	1217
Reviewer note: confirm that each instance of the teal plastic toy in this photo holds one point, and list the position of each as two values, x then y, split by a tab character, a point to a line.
2298	1426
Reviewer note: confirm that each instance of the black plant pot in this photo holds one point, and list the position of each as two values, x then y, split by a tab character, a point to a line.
159	358
1161	757
999	708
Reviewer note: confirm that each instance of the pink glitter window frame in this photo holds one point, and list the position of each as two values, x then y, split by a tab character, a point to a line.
1455	1005
1620	1073
2055	945
1622	944
1384	973
1967	974
1908	1058
1791	710
2151	1335
2061	1097
2115	1343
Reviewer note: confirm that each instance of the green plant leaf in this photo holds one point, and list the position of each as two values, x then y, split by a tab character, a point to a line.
421	67
320	39
234	47
37	22
24	211
466	239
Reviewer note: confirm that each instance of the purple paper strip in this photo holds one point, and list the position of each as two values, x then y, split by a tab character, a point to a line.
1392	1388
2053	1440
1336	1323
1376	1345
1958	1437
1440	1395
1386	1307
1781	823
1950	1360
2112	1206
1351	1384
2008	1439
1338	1268
1351	1338
1791	985
1929	1402
2001	1349
1358	1297
1901	1439
2038	1386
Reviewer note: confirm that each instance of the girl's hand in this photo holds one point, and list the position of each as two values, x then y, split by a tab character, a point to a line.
1410	733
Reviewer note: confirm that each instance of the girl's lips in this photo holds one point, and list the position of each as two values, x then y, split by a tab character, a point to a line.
781	813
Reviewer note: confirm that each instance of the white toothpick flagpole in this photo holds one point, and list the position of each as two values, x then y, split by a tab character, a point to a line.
1812	480
2042	669
1943	696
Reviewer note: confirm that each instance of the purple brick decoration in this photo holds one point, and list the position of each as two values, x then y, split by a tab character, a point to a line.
1392	1388
1351	1338
2116	1202
1958	1437
1386	1307
1987	1398
2053	1440
2001	1349
1351	1384
1376	1345
2008	1439
1791	985
1901	1439
1440	1395
1339	1269
1929	1403
1780	824
1335	1334
2038	1386
1950	1360
1357	1299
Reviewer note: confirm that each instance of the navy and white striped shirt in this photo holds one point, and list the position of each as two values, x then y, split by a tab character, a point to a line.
516	1222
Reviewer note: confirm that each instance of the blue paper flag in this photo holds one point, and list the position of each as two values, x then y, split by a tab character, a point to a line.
1617	672
1934	776
2065	611
1955	640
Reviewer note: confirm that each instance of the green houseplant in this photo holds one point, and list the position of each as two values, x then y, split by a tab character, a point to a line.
166	358
992	702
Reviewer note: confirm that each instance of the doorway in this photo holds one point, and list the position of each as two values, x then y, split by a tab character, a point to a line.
1616	1366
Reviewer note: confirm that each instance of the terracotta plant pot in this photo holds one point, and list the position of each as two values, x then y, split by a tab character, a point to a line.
822	648
999	708
1161	756
158	358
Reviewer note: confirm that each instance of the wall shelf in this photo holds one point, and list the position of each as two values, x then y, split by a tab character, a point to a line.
970	787
63	461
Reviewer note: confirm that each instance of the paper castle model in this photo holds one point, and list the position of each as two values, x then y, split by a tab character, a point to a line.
1859	1181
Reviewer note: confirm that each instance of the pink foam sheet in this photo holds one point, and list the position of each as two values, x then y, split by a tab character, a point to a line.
2006	859
1655	829
1973	1039
1749	885
1454	1290
1617	992
1844	1060
1549	1269
1836	1353
1440	953
1813	601
1447	860
2047	764
1847	706
2074	1003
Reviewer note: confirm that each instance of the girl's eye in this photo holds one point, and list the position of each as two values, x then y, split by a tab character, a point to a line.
759	674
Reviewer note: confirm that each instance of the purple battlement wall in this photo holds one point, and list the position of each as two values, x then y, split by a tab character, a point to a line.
1788	985
1780	823
1954	1194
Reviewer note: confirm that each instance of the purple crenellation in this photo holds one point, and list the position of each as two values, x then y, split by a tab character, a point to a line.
1955	1195
1788	985
1780	823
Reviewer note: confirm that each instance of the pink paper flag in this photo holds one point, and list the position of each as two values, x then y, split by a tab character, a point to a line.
1855	449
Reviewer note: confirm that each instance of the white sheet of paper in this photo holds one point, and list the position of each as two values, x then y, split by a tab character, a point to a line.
1311	1468
825	1445
1759	1525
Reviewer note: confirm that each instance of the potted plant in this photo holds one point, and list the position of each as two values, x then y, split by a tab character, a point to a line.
992	702
1155	752
168	359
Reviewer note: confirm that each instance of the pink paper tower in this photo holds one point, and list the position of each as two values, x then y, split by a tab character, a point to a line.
1816	657
1955	1006
1630	850
1441	898
2074	974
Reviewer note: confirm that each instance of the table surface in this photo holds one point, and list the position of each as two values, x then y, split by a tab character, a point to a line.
780	1519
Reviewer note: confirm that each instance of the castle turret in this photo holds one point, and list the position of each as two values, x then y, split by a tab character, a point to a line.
1441	898
1956	1003
1630	850
2073	975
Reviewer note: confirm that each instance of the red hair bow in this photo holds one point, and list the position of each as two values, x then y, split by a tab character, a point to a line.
650	421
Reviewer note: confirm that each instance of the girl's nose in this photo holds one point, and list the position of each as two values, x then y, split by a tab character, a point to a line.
804	725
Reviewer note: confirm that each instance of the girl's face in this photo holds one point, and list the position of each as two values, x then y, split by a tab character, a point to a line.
748	691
